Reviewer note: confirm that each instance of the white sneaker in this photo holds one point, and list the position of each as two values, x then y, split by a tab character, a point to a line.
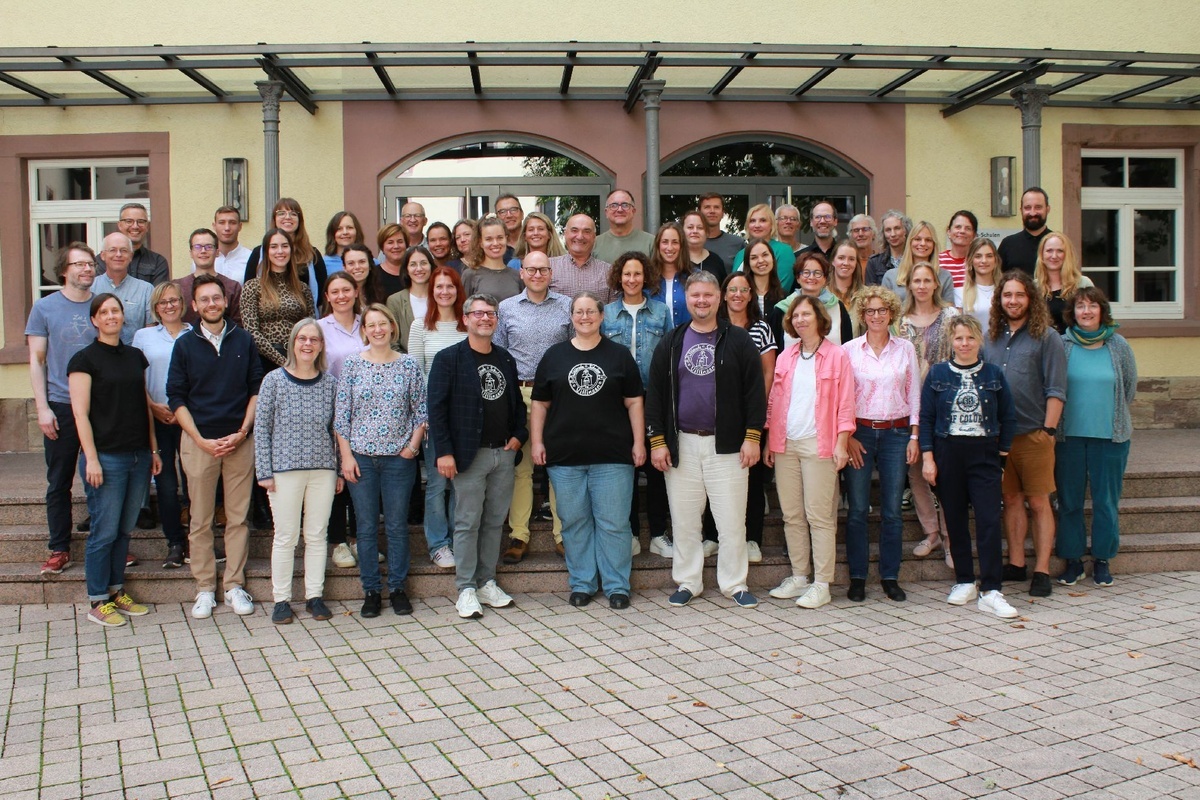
710	548
753	552
492	595
468	605
994	602
662	546
816	596
636	547
205	603
343	557
443	557
792	586
962	593
354	552
240	600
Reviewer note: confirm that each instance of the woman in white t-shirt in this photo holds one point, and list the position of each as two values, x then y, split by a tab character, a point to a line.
975	296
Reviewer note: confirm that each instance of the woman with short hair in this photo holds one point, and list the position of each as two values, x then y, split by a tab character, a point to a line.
864	233
342	231
960	233
393	244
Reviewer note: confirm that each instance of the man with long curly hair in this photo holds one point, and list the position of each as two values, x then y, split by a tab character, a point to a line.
1022	341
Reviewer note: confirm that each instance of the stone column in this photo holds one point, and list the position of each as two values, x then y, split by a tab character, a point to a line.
1030	98
271	92
652	100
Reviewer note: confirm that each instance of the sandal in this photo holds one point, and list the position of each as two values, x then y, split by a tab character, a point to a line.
927	546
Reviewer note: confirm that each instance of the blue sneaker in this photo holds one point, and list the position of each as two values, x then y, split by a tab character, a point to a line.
681	597
1100	573
745	600
1072	573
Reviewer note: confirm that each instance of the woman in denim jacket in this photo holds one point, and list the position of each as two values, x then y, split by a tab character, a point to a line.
966	429
639	322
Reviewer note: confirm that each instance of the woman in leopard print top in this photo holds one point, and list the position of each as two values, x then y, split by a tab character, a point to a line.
276	300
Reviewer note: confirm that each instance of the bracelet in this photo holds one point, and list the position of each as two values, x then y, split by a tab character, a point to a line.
912	437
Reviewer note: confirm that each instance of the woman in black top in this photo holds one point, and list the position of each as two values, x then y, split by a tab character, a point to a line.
587	426
116	433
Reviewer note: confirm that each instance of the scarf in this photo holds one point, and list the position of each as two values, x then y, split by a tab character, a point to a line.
1098	336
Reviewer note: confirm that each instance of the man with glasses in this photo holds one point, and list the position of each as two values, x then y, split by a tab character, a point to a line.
723	243
134	294
147	265
529	324
232	255
622	235
787	223
477	423
212	389
580	269
204	246
823	219
508	209
59	326
413	219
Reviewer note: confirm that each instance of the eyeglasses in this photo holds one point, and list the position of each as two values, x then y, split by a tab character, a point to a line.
481	315
209	301
585	312
308	340
738	290
412	216
204	248
116	251
537	270
810	273
860	230
283	213
823	217
506	212
788	219
619	206
874	312
170	301
81	264
134	222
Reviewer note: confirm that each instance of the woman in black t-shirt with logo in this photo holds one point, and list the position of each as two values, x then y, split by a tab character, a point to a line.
587	427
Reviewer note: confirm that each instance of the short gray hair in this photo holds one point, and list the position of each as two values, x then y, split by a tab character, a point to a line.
490	299
702	276
321	364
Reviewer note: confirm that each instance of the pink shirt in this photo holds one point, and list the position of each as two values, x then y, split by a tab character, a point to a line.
957	267
835	397
888	385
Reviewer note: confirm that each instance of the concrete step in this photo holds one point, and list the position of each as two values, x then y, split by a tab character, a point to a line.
540	572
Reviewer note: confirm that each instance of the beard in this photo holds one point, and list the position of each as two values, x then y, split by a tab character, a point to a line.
1034	222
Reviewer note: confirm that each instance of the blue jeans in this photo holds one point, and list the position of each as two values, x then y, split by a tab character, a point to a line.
484	493
592	500
439	508
883	450
114	507
1080	463
390	478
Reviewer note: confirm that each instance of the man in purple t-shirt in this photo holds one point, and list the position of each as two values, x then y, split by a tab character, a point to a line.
705	410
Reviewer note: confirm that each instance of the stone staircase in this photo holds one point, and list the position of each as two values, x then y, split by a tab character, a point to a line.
1160	529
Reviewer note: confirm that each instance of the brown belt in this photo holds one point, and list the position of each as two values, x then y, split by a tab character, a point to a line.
883	424
698	433
525	383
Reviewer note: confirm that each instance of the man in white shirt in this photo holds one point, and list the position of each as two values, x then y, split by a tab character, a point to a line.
231	254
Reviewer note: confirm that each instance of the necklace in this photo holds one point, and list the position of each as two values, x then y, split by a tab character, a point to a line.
814	352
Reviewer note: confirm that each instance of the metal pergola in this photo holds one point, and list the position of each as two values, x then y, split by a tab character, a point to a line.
955	78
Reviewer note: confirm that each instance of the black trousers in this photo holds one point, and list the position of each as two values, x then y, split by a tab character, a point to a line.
969	472
62	460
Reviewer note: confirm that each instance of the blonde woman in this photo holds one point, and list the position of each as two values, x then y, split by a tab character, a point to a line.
1057	275
921	247
979	284
538	235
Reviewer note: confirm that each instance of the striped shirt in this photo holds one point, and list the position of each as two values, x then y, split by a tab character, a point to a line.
957	267
424	344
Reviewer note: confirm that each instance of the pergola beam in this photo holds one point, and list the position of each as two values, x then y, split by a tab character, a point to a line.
821	75
886	89
732	73
1027	76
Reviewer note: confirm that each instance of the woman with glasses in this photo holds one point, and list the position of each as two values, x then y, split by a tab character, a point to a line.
310	264
342	231
787	227
812	279
587	427
157	344
412	301
490	274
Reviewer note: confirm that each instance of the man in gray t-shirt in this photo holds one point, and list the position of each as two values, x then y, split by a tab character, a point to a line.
59	326
725	245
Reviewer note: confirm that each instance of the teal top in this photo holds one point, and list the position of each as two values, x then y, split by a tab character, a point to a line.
1090	380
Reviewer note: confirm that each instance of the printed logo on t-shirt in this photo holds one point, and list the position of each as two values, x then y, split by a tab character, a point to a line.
81	330
586	379
491	382
700	359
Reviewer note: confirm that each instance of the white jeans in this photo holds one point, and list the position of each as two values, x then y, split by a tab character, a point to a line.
702	473
310	491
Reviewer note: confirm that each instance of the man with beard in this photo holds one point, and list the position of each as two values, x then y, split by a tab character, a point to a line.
1020	250
823	220
1022	341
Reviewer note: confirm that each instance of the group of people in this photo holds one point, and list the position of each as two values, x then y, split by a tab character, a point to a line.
485	349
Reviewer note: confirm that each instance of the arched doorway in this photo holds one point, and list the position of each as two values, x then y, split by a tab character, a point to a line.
463	178
767	170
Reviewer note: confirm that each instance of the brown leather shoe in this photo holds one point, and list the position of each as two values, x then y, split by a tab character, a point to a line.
558	548
516	551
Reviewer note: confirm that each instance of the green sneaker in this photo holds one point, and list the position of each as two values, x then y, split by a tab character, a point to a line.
106	614
126	605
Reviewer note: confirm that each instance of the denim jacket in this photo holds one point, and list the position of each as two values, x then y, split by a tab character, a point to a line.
995	400
652	326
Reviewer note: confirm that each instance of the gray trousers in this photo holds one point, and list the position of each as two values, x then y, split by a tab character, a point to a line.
482	495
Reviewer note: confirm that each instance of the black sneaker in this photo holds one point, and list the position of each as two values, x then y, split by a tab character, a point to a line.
1040	585
316	606
174	557
147	520
282	615
372	604
618	601
85	526
542	513
1014	574
681	597
400	603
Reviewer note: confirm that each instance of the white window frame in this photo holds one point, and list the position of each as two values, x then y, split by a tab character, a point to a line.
1125	201
95	214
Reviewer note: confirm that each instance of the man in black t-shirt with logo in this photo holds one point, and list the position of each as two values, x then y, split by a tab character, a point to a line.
477	425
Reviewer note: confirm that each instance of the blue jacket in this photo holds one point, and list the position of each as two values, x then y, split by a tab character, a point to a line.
214	387
995	401
652	326
455	403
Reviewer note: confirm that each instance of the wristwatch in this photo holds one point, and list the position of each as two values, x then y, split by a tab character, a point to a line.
1049	430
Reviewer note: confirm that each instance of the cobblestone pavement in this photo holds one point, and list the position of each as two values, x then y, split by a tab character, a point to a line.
1092	692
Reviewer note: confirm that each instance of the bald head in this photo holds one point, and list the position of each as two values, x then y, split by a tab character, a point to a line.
580	234
118	252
